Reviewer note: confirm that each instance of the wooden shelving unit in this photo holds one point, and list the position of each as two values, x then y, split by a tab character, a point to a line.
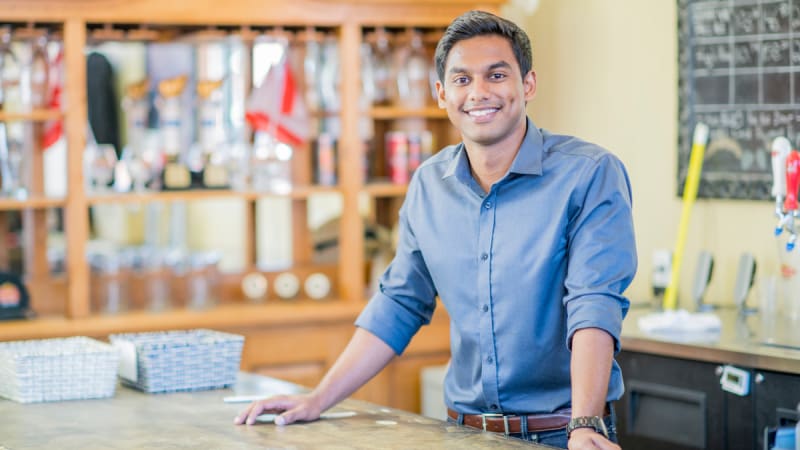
379	189
32	202
297	193
296	340
394	113
37	115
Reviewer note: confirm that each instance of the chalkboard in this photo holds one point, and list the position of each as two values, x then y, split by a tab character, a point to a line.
739	73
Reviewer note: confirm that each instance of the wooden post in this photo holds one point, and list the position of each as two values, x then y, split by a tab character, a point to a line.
351	238
76	219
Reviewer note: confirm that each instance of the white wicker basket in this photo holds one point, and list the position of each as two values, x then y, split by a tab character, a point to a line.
48	370
171	361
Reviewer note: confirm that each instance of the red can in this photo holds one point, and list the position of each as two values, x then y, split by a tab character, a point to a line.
414	152
326	160
397	156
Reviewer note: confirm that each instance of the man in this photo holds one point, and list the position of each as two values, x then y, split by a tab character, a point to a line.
527	238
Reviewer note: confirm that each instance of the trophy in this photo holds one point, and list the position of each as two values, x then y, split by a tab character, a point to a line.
176	175
12	155
39	72
212	134
141	160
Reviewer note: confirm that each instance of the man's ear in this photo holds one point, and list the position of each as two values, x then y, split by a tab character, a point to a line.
529	85
440	94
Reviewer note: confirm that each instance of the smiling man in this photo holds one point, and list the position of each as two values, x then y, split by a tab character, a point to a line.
527	238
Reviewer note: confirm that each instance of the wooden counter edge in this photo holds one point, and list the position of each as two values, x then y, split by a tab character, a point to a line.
745	356
220	317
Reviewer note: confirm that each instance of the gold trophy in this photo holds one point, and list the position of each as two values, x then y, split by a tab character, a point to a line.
176	175
212	134
143	162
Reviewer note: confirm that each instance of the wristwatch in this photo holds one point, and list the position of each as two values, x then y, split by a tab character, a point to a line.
594	422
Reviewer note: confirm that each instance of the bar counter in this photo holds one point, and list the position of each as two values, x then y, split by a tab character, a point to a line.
194	420
762	342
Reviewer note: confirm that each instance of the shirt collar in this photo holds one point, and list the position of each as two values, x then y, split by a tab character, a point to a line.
528	160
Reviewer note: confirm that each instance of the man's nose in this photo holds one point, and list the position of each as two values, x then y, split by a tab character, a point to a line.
479	89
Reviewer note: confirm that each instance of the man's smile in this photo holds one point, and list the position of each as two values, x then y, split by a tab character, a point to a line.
485	113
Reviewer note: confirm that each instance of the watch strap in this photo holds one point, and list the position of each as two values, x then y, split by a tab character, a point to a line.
594	422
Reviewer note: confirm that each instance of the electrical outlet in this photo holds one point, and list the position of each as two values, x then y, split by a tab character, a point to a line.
662	270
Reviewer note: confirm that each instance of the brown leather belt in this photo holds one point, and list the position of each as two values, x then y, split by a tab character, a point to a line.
512	424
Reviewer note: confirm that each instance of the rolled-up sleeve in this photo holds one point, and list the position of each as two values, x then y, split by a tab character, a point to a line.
407	296
602	252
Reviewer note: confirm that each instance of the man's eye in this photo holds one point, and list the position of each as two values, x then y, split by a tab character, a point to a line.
497	76
461	80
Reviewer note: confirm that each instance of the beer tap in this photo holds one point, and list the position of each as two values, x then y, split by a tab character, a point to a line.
790	204
780	151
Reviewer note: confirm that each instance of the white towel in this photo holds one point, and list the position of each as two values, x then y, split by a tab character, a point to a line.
680	322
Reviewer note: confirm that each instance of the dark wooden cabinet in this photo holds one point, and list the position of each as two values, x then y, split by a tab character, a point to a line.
672	403
777	398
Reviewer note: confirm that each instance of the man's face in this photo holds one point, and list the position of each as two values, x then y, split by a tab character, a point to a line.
483	91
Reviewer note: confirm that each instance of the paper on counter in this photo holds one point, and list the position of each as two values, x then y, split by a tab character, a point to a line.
128	362
244	398
270	418
680	321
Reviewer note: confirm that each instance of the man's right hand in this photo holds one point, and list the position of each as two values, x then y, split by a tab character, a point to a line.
291	408
364	356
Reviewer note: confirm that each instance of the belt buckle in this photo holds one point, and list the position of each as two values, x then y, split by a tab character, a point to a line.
505	420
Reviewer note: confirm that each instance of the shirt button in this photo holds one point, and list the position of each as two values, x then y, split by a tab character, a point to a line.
484	257
485	308
490	360
492	406
487	205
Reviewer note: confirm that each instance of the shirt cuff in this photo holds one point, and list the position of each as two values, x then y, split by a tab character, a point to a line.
389	321
600	312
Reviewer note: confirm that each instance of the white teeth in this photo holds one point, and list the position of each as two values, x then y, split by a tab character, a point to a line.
482	112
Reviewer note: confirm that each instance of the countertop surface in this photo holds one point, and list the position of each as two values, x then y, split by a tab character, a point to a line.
760	342
201	420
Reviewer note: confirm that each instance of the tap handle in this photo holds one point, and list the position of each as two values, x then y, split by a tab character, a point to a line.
790	244
781	147
792	179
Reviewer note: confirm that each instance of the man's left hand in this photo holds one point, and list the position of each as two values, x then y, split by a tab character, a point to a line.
586	438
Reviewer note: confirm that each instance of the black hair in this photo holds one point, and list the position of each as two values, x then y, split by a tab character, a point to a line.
481	23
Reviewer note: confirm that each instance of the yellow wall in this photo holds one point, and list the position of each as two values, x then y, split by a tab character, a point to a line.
607	72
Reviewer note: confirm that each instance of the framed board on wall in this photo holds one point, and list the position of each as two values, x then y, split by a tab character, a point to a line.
739	72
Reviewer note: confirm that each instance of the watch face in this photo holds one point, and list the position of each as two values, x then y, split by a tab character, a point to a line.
594	422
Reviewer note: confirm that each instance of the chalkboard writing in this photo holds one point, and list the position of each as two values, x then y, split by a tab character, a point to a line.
739	64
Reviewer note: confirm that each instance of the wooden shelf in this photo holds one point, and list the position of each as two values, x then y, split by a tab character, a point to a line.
268	314
298	192
385	189
33	202
37	115
392	113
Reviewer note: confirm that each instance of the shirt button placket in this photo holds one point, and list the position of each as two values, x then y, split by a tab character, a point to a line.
489	378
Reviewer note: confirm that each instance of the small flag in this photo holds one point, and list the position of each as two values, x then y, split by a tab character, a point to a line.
277	106
54	129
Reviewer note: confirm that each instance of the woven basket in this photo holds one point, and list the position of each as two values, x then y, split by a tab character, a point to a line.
48	370
171	361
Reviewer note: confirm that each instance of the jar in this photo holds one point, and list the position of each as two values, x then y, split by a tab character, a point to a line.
110	283
176	264
202	280
155	280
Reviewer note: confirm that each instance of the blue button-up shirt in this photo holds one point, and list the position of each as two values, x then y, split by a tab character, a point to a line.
547	251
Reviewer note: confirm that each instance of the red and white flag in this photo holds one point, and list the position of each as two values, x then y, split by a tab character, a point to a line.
54	129
277	107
